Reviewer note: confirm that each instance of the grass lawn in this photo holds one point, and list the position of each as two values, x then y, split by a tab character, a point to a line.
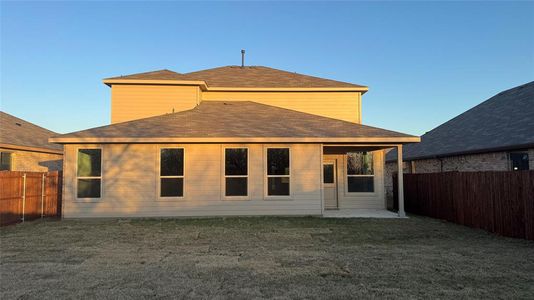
243	258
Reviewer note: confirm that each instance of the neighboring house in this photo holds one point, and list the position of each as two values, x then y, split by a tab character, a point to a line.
24	146
496	135
227	141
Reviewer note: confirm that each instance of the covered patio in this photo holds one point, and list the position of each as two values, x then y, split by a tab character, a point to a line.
353	180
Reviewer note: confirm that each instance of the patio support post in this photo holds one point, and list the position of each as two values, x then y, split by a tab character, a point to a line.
400	185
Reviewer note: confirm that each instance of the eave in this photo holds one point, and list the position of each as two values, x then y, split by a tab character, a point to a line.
228	140
30	149
203	85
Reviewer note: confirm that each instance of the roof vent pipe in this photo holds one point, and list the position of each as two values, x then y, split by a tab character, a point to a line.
242	58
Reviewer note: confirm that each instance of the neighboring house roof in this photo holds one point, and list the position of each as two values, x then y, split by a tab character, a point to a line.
503	122
235	121
243	77
16	133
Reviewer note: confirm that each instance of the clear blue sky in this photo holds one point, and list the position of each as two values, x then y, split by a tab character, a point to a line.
424	62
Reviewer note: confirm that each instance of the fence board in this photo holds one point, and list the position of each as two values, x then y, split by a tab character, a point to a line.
12	202
499	202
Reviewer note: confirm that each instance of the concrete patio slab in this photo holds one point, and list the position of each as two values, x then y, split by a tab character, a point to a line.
360	213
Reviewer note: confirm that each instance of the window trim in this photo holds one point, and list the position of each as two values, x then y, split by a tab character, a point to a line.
266	176
346	169
224	176
159	177
101	177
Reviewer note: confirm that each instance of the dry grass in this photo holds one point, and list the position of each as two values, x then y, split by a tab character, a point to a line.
242	258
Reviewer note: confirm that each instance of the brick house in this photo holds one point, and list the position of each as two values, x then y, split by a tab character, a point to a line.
24	146
496	135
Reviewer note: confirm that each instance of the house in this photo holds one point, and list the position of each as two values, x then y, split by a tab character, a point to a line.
496	135
235	140
24	146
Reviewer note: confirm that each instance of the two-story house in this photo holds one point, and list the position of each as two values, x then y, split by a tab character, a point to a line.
232	140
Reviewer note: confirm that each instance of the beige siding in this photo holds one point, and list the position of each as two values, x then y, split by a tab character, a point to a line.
130	102
338	105
32	161
374	200
130	183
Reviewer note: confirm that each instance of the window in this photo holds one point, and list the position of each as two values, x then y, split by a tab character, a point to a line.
89	173
519	161
328	173
236	171
5	161
171	172
360	173
278	172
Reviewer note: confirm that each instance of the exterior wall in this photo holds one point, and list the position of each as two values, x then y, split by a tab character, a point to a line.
338	105
494	161
375	200
130	183
34	161
130	102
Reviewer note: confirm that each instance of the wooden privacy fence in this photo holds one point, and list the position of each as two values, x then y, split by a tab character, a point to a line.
29	195
499	202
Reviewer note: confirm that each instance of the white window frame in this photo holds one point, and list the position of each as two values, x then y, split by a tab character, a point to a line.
95	199
159	177
224	176
267	176
346	161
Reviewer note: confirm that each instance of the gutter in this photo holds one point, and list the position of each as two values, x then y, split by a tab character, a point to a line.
225	140
32	149
476	151
204	86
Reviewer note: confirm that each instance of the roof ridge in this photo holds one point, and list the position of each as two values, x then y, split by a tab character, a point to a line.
514	88
485	102
497	123
203	104
316	77
294	76
143	73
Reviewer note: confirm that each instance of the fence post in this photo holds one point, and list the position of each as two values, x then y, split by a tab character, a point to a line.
400	184
23	195
42	195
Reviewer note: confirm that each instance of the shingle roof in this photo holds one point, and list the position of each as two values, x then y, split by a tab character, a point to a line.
504	121
235	119
18	132
259	76
153	75
245	77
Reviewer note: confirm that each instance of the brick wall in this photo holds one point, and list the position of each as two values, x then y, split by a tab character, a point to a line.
35	161
494	161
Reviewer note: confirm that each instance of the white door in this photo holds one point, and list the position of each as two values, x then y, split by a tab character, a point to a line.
330	184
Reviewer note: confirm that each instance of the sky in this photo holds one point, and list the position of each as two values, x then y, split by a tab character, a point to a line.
424	62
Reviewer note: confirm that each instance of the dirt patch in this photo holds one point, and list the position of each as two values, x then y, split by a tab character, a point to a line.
280	258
